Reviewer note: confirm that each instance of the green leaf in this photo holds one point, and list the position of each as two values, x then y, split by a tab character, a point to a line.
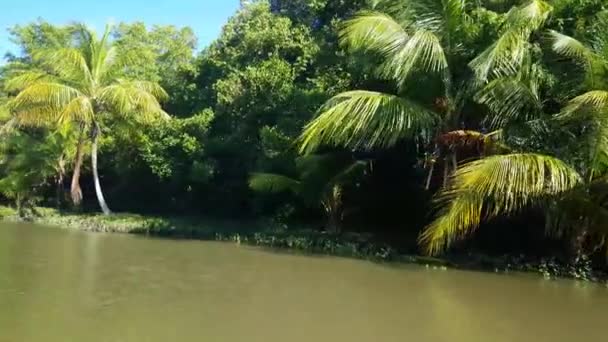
510	99
572	48
402	53
366	120
423	51
506	56
274	183
374	31
495	186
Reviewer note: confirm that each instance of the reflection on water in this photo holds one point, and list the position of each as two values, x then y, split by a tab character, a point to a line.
70	286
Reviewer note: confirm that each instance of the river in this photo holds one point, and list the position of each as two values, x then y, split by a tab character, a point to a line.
58	286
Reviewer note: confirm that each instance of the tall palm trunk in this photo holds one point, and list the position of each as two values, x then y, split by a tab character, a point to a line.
75	190
59	181
19	204
98	192
333	209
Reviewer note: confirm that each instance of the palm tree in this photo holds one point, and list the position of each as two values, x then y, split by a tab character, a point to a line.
320	181
575	199
80	86
428	38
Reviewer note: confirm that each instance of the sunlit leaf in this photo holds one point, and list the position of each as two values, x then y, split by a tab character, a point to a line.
366	120
494	186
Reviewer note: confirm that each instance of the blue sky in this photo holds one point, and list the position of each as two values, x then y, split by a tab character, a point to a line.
206	17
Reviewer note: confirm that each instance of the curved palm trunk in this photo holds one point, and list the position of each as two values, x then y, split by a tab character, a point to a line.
75	190
102	202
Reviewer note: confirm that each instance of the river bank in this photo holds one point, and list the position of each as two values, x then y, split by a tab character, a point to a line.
267	235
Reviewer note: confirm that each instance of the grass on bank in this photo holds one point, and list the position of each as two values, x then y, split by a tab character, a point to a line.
271	235
258	233
127	223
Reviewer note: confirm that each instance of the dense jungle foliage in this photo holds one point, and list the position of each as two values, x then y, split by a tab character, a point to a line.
419	121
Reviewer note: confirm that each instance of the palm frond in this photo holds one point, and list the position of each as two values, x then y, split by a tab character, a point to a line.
98	52
51	94
572	48
68	63
151	87
531	15
598	143
494	186
26	78
515	181
320	171
366	120
591	107
593	102
7	127
105	54
509	99
450	19
79	109
374	31
423	51
274	183
503	58
349	173
402	53
127	98
110	67
507	54
461	217
42	116
455	14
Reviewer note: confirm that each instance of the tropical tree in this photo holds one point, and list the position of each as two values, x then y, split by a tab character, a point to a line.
427	50
27	162
81	86
261	71
573	191
427	39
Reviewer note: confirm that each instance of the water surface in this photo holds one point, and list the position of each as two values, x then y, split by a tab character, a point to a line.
58	285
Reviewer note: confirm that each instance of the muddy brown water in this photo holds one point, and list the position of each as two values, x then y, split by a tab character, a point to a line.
59	285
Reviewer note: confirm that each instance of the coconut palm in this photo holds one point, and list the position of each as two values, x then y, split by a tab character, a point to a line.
514	47
574	198
80	86
505	185
414	38
408	38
